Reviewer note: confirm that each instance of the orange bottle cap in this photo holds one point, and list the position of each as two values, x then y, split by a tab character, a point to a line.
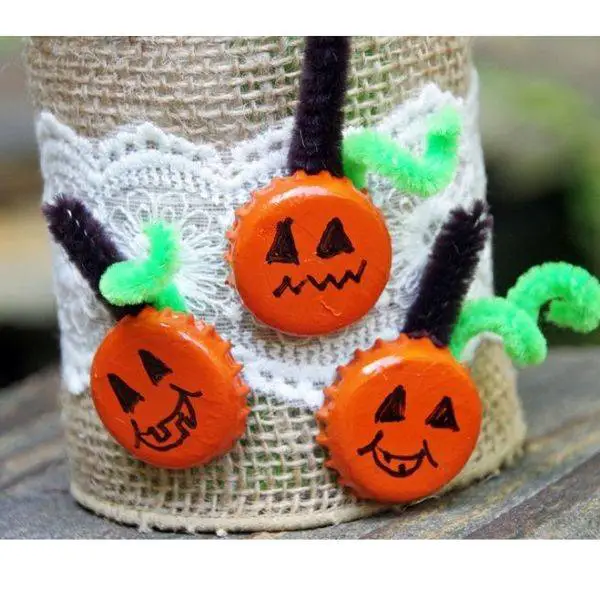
168	390
401	420
309	254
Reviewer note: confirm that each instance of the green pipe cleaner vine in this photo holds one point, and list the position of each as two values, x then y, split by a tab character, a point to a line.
370	150
573	296
147	280
522	338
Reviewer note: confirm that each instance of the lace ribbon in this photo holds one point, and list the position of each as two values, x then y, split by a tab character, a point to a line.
139	173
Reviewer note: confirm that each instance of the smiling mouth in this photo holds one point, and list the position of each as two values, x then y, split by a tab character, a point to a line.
286	282
173	430
397	465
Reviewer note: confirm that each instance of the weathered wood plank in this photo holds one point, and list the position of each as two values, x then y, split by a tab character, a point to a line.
565	387
42	508
554	491
567	508
30	432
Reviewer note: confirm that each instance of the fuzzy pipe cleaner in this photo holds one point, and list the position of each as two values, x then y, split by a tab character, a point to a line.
448	274
147	280
87	245
369	150
573	295
317	135
522	338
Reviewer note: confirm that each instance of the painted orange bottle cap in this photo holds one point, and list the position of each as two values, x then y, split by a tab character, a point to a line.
401	420
309	254
168	389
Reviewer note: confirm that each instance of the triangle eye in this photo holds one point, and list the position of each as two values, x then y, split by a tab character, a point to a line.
127	396
283	248
443	416
154	367
393	407
334	240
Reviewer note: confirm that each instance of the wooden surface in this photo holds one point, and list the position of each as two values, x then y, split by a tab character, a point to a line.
553	492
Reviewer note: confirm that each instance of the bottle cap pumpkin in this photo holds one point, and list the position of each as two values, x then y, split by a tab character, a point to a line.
310	253
401	421
165	386
168	389
403	417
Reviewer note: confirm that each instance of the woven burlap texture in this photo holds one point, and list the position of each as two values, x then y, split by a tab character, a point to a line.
223	90
274	477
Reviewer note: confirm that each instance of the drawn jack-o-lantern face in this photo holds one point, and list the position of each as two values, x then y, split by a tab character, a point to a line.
309	254
168	390
401	420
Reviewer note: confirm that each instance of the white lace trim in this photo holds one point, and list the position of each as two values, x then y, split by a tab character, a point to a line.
140	173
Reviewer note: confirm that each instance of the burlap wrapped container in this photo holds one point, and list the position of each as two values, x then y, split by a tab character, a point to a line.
222	90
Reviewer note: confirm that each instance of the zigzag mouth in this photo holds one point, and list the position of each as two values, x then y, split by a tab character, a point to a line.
329	279
173	430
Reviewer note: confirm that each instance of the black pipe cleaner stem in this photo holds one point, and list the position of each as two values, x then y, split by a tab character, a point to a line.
448	274
87	244
317	134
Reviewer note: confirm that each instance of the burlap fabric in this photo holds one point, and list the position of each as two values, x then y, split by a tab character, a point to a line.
223	90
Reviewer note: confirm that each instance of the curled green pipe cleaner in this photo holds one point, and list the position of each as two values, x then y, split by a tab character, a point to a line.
148	280
423	176
522	337
573	294
574	298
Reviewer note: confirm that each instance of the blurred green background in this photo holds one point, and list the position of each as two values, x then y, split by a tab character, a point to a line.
541	137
